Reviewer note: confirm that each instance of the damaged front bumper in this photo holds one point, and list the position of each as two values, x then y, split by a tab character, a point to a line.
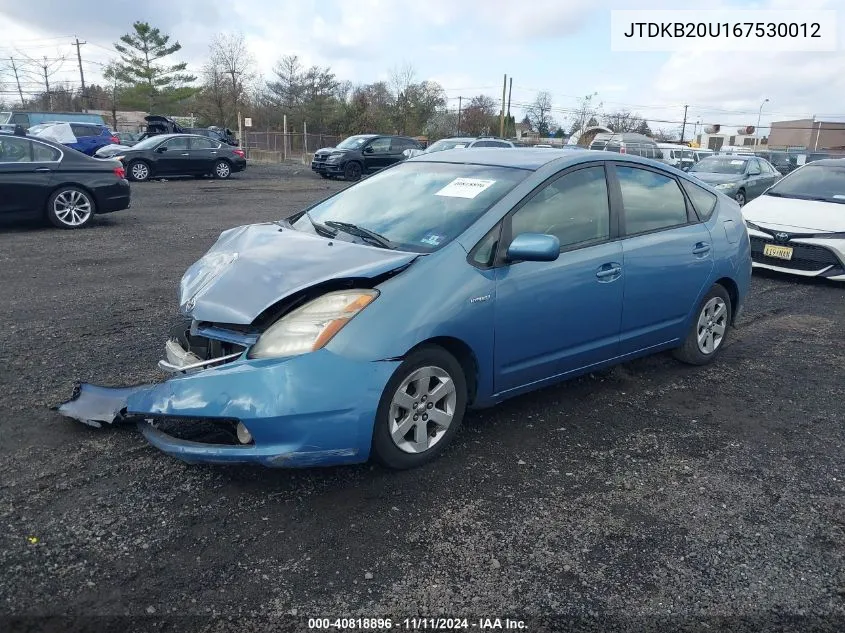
317	409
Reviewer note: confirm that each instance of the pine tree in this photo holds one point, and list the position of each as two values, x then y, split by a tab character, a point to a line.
140	53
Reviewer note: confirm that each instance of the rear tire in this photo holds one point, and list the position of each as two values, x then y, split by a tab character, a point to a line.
708	330
420	410
222	169
70	208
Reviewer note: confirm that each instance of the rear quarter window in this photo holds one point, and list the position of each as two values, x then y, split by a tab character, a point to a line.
702	200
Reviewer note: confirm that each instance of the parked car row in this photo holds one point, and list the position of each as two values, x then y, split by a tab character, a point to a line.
366	154
50	175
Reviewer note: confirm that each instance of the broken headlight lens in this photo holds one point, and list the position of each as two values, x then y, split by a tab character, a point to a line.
311	326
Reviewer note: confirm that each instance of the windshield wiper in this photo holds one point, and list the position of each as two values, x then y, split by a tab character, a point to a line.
360	231
320	229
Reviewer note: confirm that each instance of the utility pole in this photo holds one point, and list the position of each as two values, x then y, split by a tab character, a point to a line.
459	117
81	74
44	67
502	117
17	79
510	92
684	126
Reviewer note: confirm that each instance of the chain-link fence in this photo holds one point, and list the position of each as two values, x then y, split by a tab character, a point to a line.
282	146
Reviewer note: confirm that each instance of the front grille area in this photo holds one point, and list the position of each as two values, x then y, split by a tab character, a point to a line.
204	430
320	158
805	257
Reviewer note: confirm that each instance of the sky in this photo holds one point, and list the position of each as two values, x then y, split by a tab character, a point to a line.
558	46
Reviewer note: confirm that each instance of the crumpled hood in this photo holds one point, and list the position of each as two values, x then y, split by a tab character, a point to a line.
791	214
714	179
252	267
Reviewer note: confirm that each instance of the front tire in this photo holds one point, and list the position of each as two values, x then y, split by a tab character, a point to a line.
352	171
740	197
222	169
708	330
138	171
70	208
421	409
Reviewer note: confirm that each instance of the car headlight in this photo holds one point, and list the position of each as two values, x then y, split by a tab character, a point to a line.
116	157
312	326
333	158
725	185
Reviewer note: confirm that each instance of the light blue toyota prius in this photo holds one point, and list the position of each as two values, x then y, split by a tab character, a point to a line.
366	325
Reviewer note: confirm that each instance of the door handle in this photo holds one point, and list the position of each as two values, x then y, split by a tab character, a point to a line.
701	248
185	154
41	170
609	272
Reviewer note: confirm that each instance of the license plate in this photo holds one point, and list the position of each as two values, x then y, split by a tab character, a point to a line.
779	252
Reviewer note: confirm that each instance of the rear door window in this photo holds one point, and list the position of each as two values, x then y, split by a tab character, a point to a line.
651	201
703	201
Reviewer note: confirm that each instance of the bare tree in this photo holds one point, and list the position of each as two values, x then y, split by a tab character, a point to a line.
401	82
479	116
229	52
623	121
664	135
588	110
540	114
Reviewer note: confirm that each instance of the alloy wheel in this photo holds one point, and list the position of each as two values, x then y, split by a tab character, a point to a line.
72	207
712	323
422	409
140	171
222	169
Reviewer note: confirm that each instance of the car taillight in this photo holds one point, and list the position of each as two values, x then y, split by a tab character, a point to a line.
115	140
120	172
239	152
622	150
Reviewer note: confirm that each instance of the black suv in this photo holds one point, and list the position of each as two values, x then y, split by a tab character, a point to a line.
361	154
628	143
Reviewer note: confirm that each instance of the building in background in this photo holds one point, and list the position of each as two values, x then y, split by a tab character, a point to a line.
716	137
808	134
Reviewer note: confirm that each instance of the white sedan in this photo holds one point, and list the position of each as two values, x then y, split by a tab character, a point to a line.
798	225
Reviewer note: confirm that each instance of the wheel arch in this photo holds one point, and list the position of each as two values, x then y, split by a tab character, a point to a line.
465	356
733	293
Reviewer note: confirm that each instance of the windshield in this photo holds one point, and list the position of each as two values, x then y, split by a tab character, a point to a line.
418	206
353	142
720	165
815	182
150	141
5	117
445	144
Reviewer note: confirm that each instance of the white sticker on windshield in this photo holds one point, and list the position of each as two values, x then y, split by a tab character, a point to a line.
737	162
459	146
465	187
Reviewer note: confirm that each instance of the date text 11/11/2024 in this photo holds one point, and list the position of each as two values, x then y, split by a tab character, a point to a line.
416	624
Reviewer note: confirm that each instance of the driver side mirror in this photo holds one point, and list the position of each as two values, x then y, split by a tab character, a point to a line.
368	149
161	149
534	247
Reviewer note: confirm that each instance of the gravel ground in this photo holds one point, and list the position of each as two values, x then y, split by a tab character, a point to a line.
652	497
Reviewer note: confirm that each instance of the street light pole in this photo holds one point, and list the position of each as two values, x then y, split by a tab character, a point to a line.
757	129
